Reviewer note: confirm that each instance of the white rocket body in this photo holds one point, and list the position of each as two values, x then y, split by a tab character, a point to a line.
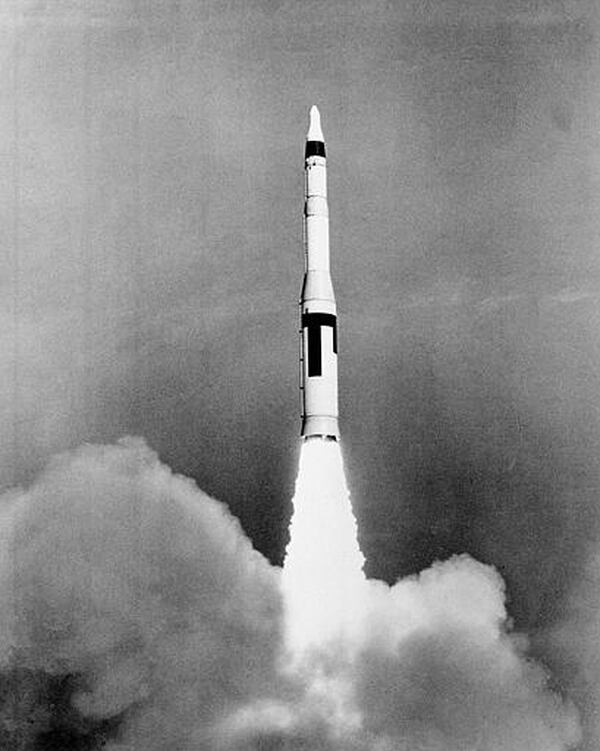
318	315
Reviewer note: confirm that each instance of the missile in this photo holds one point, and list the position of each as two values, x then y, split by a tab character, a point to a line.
318	315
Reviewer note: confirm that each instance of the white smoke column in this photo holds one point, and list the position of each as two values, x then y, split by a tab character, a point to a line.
324	585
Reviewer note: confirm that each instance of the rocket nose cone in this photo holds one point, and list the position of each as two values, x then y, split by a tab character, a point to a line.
314	128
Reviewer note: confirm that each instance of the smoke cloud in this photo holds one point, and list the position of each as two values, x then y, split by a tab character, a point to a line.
573	644
136	614
134	606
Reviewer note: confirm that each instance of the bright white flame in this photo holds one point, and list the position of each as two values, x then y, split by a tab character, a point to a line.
324	585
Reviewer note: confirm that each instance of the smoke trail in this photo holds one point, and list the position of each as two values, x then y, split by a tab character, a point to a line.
137	615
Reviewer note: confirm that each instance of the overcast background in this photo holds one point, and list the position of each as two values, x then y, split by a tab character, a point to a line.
151	260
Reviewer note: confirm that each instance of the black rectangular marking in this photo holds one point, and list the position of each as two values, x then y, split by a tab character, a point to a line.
315	366
313	322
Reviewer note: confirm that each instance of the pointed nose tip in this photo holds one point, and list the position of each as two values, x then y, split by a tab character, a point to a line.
314	128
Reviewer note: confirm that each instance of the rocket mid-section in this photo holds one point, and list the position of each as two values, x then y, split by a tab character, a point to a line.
318	332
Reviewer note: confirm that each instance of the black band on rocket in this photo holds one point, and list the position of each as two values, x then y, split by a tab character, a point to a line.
314	148
318	319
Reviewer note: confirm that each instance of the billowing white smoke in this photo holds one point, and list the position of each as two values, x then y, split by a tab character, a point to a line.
135	613
143	589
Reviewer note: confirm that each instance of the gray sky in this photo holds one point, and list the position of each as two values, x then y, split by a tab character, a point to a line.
152	260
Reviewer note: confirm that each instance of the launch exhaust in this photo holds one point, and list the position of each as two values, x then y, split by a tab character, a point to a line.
318	314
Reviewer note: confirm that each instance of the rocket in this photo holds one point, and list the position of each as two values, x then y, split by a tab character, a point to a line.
318	315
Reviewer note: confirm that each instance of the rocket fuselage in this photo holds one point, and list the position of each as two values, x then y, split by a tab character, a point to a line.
318	315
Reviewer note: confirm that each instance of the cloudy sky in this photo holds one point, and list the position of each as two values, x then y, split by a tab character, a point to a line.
151	260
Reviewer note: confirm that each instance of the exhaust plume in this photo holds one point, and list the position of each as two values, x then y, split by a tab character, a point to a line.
322	574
